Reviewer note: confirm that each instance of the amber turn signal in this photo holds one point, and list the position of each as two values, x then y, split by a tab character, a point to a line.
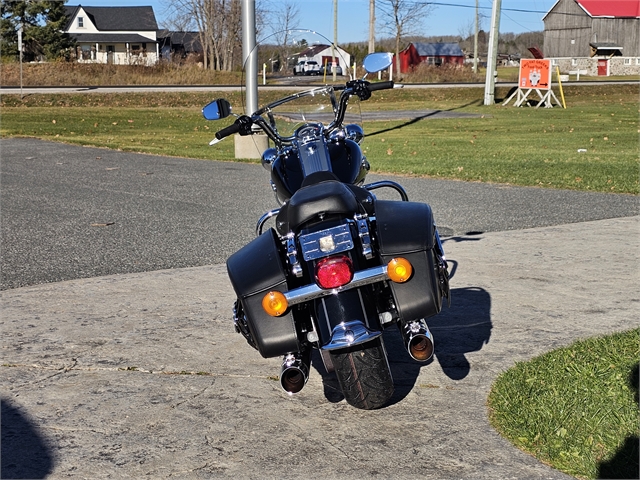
399	270
274	303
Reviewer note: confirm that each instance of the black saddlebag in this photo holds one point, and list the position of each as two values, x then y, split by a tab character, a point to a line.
407	229
254	270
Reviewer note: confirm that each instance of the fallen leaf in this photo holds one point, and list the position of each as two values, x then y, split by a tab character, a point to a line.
130	121
114	123
53	121
389	151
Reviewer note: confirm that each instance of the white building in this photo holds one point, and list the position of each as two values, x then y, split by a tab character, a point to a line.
117	35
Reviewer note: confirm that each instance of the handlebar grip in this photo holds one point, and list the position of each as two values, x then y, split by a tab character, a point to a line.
380	85
230	130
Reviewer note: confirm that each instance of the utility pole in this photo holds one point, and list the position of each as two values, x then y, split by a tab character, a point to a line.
492	55
475	43
372	26
335	39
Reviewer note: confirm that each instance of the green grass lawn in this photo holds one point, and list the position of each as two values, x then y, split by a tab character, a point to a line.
519	146
575	408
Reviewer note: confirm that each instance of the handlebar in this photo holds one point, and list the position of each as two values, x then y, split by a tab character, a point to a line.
230	130
380	85
243	124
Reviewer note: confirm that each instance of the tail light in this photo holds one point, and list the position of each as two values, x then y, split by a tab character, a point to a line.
334	272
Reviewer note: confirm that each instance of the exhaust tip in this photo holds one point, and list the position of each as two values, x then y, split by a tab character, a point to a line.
421	348
417	340
292	380
294	373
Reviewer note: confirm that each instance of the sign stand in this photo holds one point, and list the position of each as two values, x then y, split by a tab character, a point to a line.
535	75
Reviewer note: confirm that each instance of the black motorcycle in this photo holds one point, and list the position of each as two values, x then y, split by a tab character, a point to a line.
339	265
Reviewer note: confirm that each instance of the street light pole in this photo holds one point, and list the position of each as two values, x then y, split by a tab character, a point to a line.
250	54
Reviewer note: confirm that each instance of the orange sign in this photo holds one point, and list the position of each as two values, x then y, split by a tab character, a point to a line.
535	74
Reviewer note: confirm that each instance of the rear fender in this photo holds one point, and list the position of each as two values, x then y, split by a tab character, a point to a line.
345	319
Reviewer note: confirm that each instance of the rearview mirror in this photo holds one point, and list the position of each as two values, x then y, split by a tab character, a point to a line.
376	62
217	109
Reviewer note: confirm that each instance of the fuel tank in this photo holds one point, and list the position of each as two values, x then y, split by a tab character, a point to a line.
347	163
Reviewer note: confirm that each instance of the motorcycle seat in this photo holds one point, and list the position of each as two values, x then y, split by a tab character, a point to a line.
325	197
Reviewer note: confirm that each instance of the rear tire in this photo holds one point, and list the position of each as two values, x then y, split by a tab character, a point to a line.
364	375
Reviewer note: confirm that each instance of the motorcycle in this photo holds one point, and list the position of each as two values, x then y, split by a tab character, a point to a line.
340	265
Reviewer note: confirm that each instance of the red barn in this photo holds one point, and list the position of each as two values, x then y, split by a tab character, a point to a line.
431	54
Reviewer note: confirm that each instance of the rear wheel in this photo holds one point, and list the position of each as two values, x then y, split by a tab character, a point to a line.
364	375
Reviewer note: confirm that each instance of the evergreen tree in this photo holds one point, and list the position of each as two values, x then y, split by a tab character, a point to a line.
42	23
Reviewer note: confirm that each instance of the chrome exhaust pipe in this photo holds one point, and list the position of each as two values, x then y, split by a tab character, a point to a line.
295	371
417	339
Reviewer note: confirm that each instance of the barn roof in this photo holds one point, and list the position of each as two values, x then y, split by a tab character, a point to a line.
438	49
608	8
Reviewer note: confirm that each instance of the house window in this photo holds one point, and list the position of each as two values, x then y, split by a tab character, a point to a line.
554	61
135	49
573	41
80	22
574	62
627	61
637	61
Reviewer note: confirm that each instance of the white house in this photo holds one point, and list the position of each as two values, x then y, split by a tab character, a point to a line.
323	55
118	35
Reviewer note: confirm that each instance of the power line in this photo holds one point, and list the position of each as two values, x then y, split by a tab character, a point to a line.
443	4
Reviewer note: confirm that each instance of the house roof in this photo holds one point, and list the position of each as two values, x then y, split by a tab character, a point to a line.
110	38
438	49
606	8
190	41
313	50
120	19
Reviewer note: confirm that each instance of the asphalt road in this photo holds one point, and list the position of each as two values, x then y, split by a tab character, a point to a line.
73	212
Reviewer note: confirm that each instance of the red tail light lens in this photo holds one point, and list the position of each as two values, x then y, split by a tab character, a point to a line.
334	272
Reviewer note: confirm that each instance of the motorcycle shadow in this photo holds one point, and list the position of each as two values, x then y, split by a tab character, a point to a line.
463	328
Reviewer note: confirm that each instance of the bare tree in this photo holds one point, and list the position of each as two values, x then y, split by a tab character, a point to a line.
401	18
219	24
284	17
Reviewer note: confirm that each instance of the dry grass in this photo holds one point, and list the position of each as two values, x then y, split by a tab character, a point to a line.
72	74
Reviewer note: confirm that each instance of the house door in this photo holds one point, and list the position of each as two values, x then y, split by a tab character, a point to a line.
603	67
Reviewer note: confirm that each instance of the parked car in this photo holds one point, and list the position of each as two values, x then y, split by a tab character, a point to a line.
306	67
329	71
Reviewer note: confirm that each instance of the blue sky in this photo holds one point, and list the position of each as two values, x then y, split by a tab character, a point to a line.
448	17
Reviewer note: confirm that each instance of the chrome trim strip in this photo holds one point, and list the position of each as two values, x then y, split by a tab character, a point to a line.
313	291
